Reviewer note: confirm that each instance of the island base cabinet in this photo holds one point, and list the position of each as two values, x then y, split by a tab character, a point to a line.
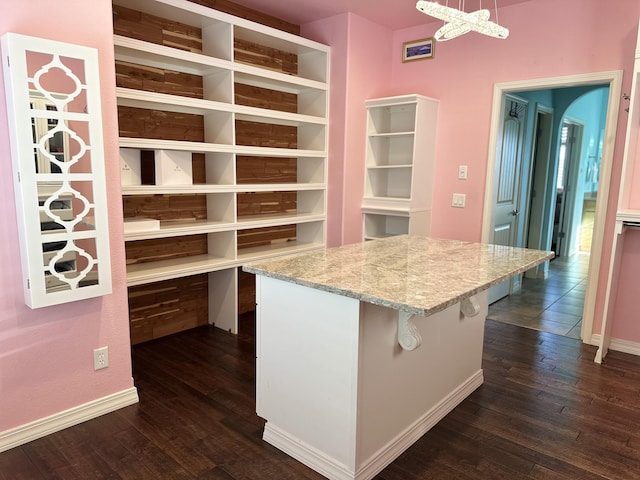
338	392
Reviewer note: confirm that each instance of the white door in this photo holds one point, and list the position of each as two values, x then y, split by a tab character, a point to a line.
508	182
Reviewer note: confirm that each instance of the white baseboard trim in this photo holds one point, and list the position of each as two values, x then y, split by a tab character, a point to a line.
618	345
333	470
305	453
59	421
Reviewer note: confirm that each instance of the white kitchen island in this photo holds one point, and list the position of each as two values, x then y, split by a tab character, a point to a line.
362	349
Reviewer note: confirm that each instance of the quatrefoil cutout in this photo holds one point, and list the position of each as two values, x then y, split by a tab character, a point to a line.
80	147
60	100
61	196
78	276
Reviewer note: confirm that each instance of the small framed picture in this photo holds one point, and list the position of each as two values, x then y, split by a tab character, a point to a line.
418	50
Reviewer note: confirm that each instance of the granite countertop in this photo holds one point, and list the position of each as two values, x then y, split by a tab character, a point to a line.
418	275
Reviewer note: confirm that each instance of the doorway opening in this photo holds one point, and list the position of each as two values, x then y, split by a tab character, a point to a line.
539	179
569	156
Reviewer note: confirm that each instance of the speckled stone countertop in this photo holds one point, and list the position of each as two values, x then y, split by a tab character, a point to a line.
418	275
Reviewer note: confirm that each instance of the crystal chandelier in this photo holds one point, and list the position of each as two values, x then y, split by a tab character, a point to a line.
458	22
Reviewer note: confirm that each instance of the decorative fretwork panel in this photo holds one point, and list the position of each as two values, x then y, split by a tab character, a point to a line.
55	122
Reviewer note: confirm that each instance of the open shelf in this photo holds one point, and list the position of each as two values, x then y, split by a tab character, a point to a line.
385	225
150	54
275	250
176	228
257	221
201	147
389	182
628	216
392	119
142	273
390	150
175	103
205	189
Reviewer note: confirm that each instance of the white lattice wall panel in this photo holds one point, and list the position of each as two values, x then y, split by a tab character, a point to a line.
55	123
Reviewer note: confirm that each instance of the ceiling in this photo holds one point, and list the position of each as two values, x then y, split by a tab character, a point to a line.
394	14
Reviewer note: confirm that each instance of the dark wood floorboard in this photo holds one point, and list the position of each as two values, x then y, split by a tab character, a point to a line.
545	411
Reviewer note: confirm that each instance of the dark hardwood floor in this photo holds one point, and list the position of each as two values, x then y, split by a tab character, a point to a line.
545	411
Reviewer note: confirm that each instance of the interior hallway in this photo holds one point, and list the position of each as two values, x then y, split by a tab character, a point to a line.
553	305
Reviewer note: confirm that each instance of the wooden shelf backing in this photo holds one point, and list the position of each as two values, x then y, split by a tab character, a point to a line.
163	308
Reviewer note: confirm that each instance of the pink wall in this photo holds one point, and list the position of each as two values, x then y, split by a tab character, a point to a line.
46	355
360	56
541	44
548	39
626	325
633	192
334	31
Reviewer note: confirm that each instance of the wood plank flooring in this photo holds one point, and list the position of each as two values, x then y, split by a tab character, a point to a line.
545	411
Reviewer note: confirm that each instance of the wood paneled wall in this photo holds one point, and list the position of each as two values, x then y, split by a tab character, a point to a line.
163	308
166	307
253	15
259	97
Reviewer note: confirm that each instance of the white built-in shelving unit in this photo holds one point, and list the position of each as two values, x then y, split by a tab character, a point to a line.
220	73
400	151
628	211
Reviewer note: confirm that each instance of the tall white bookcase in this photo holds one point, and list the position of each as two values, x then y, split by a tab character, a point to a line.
220	73
400	151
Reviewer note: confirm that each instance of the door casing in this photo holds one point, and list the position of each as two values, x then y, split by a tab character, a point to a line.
572	167
537	187
614	80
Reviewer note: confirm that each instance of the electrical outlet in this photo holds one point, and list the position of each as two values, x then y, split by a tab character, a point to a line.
100	358
459	200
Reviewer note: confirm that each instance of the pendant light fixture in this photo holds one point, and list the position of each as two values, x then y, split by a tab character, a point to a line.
458	22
